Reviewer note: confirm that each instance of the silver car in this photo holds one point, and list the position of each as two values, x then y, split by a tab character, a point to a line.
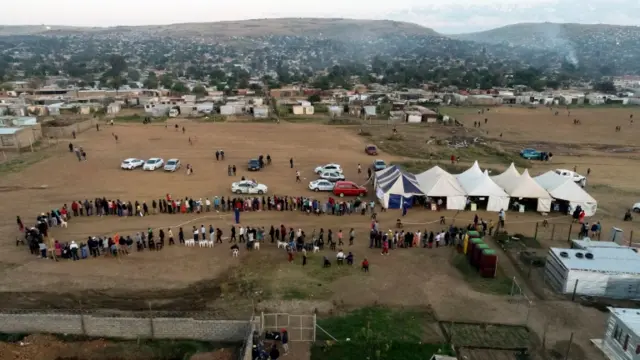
332	176
172	165
321	185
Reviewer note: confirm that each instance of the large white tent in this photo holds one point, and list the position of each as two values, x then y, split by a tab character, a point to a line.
523	186
562	188
478	184
436	182
396	188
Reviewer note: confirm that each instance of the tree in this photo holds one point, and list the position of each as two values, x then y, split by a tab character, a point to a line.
606	87
133	75
151	82
179	87
199	90
166	80
116	82
314	98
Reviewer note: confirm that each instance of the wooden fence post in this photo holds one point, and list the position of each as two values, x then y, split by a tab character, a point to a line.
569	234
535	235
553	232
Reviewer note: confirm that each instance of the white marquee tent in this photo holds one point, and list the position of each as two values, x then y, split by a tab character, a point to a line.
396	188
562	188
523	186
436	182
479	184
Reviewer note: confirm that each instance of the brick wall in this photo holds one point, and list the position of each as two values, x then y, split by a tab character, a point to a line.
126	327
67	131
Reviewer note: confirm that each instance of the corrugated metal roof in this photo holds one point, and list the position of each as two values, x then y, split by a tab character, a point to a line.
629	317
605	260
9	131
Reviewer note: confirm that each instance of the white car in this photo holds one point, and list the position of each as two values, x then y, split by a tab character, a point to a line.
577	178
332	176
321	185
329	167
152	164
172	165
248	187
131	163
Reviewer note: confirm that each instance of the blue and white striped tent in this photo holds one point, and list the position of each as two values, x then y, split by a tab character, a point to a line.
396	188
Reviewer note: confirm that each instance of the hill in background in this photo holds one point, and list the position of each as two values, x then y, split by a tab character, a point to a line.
312	27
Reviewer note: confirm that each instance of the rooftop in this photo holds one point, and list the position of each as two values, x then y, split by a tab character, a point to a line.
629	317
605	260
9	131
591	244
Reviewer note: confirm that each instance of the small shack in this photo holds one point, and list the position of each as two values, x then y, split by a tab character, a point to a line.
610	272
622	334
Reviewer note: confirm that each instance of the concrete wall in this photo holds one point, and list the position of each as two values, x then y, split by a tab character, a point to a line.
66	131
123	327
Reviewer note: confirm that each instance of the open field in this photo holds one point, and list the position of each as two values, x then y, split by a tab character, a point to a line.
194	279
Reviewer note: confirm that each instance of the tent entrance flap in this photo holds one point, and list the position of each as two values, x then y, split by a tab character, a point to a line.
397	201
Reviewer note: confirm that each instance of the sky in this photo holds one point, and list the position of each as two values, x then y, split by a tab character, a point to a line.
449	16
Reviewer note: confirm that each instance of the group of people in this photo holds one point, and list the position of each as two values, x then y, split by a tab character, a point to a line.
169	205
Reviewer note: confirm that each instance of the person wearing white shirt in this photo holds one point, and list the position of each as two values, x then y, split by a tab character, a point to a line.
340	257
241	234
207	204
203	232
74	250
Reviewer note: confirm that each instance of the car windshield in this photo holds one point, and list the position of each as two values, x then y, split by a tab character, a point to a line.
371	148
151	161
172	162
379	162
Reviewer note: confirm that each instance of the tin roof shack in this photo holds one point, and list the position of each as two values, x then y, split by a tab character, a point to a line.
596	271
426	115
483	100
622	334
260	112
17	133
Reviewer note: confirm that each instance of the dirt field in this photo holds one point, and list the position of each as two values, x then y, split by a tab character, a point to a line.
194	279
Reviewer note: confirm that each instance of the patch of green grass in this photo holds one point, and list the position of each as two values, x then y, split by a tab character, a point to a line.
315	270
500	285
387	351
22	162
376	333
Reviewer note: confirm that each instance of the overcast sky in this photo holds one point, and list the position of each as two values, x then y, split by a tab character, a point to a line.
450	16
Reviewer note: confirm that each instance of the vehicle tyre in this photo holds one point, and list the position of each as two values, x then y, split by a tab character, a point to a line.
637	210
341	195
239	192
260	192
316	189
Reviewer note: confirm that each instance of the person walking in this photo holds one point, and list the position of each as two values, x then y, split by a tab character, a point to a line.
291	163
298	176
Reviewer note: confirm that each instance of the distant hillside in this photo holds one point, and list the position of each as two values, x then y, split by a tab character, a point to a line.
554	35
312	27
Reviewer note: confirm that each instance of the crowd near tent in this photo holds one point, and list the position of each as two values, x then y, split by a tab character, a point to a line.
437	183
479	185
565	189
396	188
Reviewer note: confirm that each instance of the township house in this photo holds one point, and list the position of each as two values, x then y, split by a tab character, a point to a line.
17	133
622	335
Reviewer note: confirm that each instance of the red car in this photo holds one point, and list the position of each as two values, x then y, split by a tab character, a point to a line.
348	188
371	150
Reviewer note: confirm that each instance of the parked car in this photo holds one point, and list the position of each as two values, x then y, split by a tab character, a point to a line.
371	150
152	164
131	163
577	178
172	165
348	188
379	165
532	154
253	165
321	185
332	176
248	187
527	150
329	167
